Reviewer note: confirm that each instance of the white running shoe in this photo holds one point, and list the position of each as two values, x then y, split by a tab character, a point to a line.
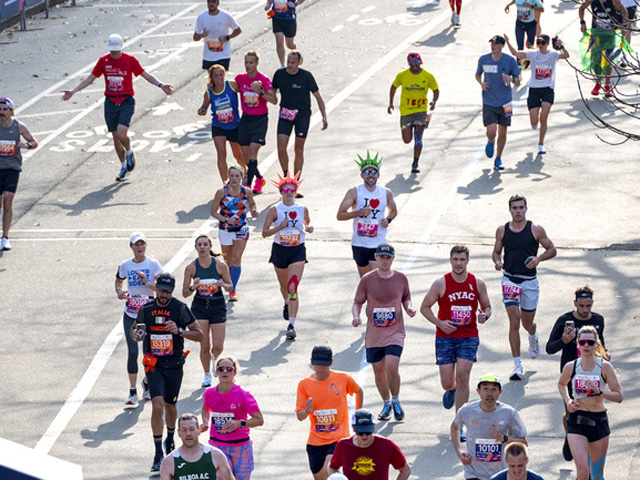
541	149
518	372
132	401
207	380
146	393
453	18
5	244
534	347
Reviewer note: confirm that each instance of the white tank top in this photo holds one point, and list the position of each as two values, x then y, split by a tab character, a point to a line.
293	235
580	390
367	231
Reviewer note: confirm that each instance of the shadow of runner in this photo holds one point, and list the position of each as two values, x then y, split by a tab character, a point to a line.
95	200
116	429
486	184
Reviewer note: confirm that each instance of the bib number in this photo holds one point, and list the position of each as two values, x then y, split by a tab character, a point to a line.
460	315
280	6
161	345
288	114
225	115
542	73
243	233
488	450
384	317
290	239
326	420
511	292
115	84
218	420
134	304
524	14
7	148
251	99
581	388
207	287
508	109
367	228
214	45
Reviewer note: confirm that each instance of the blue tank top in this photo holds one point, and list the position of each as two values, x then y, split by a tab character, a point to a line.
224	107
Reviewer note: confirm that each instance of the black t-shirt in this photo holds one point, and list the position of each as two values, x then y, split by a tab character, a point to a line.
570	350
158	341
295	89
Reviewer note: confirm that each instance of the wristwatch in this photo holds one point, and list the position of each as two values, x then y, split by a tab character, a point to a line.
504	438
180	330
243	423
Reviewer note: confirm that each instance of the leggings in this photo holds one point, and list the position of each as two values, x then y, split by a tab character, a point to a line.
132	345
530	30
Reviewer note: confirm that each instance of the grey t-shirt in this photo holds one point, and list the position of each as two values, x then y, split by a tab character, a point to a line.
486	451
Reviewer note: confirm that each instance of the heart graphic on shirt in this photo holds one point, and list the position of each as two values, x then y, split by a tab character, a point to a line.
293	215
374	203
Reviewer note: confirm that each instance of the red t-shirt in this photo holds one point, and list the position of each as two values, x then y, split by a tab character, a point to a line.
118	75
460	305
371	463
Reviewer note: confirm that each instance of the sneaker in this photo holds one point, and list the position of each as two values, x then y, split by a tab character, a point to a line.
232	296
258	184
398	412
132	401
518	373
541	149
607	91
453	18
596	90
414	168
291	332
207	380
497	164
534	347
130	161
623	64
168	447
385	413
157	461
449	398
566	451
488	150
123	174
457	20
5	244
285	312
146	393
463	436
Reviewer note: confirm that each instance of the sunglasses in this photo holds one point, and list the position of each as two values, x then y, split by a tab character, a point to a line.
362	434
540	42
415	63
582	343
228	369
289	190
370	172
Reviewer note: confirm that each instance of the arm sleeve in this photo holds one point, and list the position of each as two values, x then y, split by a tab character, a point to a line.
555	343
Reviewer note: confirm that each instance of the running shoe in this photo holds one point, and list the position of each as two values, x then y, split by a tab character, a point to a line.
398	412
146	393
541	149
257	186
534	347
463	436
449	398
497	164
285	312
207	380
518	372
453	18
168	446
232	296
5	244
607	91
488	150
123	174
132	401
414	168
457	21
157	461
291	332
130	161
385	413
596	90
566	451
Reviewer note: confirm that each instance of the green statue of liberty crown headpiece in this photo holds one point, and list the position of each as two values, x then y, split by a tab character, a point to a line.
369	162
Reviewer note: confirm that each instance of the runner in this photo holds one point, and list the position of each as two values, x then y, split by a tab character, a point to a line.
288	222
232	411
163	325
366	455
217	27
526	20
367	204
222	95
233	200
386	292
256	90
495	74
141	273
542	82
491	425
517	458
207	276
414	119
520	239
322	397
10	162
283	15
118	69
194	460
588	424
458	295
295	85
563	337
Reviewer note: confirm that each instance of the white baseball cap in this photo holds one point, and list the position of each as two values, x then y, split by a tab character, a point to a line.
115	42
135	236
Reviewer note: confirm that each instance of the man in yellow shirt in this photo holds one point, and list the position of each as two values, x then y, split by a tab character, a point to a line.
416	83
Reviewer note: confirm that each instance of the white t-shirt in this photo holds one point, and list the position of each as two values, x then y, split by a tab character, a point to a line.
218	26
138	294
543	68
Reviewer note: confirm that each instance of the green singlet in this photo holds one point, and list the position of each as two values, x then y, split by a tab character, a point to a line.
203	469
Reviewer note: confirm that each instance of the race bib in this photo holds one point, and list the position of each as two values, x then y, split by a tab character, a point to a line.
289	239
243	234
251	99
603	23
490	68
581	388
7	148
367	227
288	114
461	315
384	317
542	73
508	109
218	420
280	6
488	450
511	292
136	302
115	83
326	420
161	345
524	14
214	44
225	115
207	287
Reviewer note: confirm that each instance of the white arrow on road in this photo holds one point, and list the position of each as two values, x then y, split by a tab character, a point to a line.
166	108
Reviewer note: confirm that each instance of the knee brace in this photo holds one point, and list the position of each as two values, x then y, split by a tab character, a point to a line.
293	280
417	137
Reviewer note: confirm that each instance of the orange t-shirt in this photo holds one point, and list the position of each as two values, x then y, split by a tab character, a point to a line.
330	415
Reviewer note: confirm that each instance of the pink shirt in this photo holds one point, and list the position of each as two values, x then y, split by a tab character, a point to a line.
236	404
252	103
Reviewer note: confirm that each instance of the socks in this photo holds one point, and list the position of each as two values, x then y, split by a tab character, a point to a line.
157	442
235	276
292	321
517	361
133	391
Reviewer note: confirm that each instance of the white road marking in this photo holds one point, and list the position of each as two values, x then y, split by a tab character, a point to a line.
48	114
75	230
337	28
352	18
193	158
368	9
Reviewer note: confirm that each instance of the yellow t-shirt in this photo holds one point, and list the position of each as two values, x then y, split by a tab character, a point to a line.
330	415
413	98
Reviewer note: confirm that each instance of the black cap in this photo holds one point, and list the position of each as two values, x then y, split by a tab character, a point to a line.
322	355
166	282
385	249
363	421
498	39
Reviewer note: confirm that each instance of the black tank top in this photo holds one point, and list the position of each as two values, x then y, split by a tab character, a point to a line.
605	16
517	247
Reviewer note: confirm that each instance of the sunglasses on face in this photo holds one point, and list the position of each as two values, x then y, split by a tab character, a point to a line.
540	42
288	190
362	434
414	63
582	343
370	172
228	369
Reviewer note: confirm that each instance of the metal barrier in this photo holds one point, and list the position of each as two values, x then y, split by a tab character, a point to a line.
15	11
